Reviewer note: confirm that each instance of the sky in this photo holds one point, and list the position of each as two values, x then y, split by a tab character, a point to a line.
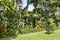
30	8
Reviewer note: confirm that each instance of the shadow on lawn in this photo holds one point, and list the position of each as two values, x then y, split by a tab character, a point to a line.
8	38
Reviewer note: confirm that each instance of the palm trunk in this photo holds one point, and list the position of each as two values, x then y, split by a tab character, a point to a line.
35	12
34	20
25	11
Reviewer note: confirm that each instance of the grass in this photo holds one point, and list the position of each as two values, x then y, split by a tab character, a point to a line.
36	36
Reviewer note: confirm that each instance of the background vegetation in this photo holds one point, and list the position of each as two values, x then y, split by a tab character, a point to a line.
14	20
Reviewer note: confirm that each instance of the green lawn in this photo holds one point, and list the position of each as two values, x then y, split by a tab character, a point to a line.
36	36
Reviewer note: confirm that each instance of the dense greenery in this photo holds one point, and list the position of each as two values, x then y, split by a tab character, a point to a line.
14	20
36	36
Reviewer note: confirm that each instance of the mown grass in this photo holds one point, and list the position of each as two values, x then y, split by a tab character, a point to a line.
36	36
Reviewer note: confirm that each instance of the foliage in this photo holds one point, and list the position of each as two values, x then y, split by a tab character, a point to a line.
45	14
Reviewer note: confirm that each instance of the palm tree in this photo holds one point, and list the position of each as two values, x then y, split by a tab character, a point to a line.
25	8
25	13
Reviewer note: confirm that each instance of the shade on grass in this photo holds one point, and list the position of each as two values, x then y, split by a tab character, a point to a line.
36	36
